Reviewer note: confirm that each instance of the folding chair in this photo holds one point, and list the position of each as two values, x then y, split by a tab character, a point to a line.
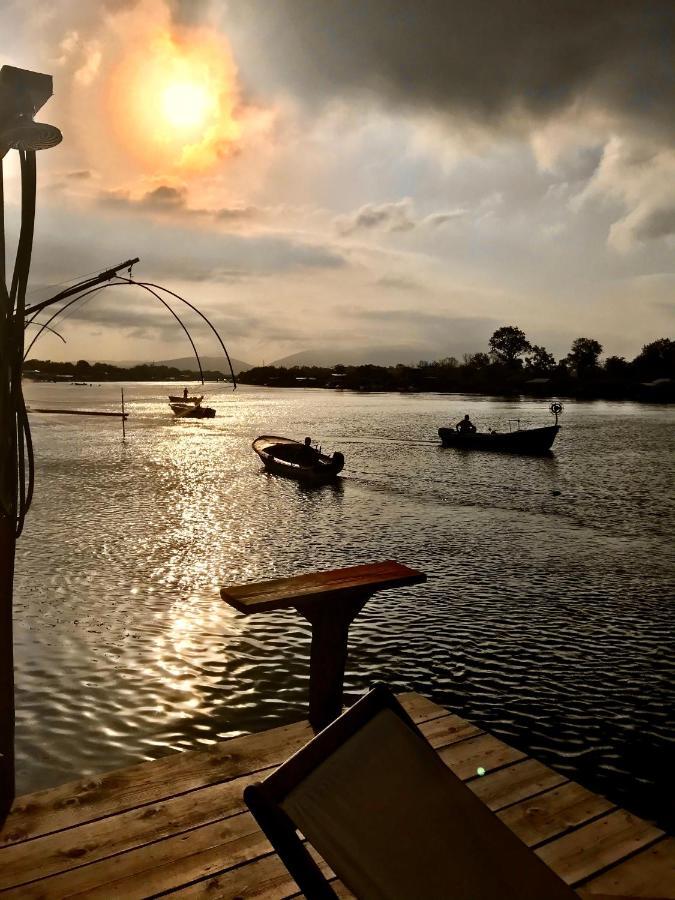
391	820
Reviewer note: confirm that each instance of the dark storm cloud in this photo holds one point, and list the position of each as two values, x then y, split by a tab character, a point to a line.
488	59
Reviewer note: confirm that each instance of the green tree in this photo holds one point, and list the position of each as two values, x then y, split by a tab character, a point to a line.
583	357
508	343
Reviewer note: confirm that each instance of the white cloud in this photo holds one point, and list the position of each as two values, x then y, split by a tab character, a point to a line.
639	176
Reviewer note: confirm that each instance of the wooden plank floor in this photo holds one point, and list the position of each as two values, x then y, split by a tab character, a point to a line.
179	826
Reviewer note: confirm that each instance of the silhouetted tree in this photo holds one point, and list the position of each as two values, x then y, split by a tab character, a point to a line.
508	343
540	360
656	360
617	367
476	361
583	357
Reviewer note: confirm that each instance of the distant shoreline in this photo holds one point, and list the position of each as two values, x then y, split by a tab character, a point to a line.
409	380
493	379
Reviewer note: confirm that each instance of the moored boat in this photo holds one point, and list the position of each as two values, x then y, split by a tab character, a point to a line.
192	411
285	456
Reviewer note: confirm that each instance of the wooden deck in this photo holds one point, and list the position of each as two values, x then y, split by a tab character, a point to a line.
179	826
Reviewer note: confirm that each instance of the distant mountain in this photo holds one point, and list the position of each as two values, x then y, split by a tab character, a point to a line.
378	356
189	363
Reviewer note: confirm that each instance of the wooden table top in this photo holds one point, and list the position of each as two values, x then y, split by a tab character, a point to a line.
333	585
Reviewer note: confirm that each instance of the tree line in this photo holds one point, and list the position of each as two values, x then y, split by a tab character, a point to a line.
47	370
512	365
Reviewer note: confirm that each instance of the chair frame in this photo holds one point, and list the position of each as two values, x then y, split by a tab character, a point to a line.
264	798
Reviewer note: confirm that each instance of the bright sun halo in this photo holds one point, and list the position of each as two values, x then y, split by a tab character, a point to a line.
173	101
185	104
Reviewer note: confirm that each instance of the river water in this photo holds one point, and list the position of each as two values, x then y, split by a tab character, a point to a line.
548	616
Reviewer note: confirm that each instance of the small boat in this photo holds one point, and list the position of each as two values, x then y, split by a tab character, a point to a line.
522	440
525	440
182	399
192	411
284	456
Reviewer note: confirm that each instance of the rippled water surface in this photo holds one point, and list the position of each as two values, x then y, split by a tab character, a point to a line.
548	617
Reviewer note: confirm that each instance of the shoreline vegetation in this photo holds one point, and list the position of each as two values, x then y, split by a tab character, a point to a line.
80	371
512	367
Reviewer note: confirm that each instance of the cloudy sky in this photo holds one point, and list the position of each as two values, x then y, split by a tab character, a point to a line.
377	176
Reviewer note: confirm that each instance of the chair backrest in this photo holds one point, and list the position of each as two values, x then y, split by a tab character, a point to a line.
390	819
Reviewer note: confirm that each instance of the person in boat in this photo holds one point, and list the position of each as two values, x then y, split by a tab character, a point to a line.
185	393
310	453
466	426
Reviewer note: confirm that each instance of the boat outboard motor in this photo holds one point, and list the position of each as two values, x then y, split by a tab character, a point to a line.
338	458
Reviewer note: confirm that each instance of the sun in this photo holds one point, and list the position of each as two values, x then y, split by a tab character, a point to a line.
187	105
174	101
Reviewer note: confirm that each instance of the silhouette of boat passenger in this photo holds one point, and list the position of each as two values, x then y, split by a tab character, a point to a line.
466	426
311	454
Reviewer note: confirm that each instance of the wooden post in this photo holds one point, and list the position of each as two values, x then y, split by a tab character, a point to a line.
124	431
328	658
330	601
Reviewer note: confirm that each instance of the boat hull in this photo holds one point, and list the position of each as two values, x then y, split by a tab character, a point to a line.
283	456
181	399
186	411
529	440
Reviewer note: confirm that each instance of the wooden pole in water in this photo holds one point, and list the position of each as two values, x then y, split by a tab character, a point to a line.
124	432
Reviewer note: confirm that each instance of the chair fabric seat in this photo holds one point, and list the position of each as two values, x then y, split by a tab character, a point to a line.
395	823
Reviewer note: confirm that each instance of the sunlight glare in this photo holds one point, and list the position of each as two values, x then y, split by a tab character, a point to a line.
186	105
173	101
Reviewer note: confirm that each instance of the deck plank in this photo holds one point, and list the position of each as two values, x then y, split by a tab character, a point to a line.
550	814
604	842
158	867
650	873
484	752
94	841
514	783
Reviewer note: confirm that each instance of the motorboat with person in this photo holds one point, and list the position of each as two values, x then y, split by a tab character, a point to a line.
297	459
192	410
185	398
464	435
